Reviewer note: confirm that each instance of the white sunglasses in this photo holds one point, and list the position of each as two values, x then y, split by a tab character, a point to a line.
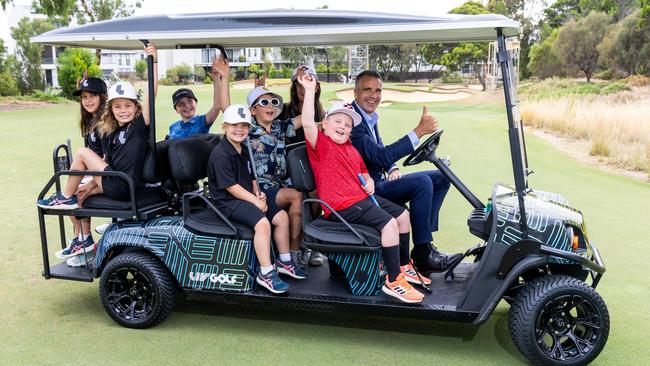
275	102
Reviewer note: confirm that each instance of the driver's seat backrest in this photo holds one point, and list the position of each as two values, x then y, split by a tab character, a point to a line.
302	177
188	157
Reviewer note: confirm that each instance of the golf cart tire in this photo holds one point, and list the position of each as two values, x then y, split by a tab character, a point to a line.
579	333
137	291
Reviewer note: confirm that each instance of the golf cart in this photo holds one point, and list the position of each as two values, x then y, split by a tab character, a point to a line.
170	239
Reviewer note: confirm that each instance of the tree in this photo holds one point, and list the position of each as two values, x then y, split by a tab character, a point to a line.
84	11
297	55
626	46
432	52
391	60
544	61
8	84
332	55
30	75
72	64
140	68
577	42
645	12
4	3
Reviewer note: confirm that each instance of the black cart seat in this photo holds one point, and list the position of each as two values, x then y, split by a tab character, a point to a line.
188	162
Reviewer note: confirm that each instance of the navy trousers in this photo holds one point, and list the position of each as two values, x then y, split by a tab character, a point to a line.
424	192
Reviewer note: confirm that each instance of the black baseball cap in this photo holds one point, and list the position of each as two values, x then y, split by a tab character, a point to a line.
93	85
182	93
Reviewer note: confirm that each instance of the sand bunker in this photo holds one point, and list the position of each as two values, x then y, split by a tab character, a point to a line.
409	97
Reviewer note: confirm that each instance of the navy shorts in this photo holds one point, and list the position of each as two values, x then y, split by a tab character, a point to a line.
366	213
115	187
248	214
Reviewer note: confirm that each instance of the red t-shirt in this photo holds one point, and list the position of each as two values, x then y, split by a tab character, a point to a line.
335	169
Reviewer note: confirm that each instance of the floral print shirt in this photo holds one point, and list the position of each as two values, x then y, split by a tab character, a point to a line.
269	152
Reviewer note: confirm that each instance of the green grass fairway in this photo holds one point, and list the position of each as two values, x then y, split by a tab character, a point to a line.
57	322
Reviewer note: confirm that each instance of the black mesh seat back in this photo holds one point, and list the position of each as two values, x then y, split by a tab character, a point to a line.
300	171
156	166
188	158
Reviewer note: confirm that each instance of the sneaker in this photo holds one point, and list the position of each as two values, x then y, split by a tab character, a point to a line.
295	257
58	201
290	269
316	259
272	282
402	290
305	256
77	247
102	228
83	260
412	276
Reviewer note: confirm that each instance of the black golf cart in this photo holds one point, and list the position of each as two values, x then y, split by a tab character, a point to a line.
168	239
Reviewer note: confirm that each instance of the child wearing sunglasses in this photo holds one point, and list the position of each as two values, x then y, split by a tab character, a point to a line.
268	137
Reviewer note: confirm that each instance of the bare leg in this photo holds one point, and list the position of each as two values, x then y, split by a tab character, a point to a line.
76	226
281	231
291	199
85	226
262	242
390	234
404	222
85	159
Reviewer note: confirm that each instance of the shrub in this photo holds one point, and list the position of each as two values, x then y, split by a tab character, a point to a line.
638	80
8	84
321	69
140	69
452	78
72	64
49	96
180	74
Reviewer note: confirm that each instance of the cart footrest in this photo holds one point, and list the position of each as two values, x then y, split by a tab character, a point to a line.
63	271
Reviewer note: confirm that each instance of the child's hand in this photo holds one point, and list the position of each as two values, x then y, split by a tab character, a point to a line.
261	202
369	188
307	82
220	68
150	50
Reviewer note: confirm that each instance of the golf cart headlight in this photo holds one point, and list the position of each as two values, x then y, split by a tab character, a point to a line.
576	241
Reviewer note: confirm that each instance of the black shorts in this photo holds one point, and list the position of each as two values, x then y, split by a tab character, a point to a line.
115	187
366	213
248	214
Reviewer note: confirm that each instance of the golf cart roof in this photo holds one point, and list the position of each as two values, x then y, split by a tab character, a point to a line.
279	27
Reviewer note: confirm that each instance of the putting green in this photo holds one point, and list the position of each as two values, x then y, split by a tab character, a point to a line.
60	322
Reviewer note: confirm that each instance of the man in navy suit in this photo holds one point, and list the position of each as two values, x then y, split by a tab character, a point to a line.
424	191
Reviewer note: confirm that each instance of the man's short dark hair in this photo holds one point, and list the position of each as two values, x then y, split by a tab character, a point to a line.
368	74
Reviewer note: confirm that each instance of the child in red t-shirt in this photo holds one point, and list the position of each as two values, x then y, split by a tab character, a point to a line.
336	165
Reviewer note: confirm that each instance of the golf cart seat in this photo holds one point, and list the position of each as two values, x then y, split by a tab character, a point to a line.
188	162
147	201
353	251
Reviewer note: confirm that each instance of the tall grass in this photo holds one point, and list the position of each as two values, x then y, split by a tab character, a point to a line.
617	126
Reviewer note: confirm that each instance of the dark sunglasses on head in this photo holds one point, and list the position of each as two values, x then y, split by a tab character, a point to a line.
275	102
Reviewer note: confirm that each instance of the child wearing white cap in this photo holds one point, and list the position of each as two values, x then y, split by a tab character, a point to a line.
336	165
233	191
125	122
268	138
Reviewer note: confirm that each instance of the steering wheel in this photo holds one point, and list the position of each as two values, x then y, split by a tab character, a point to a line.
425	150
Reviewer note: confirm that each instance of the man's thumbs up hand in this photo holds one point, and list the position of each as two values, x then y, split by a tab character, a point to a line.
428	124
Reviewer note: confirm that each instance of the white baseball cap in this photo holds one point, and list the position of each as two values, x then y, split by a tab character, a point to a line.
345	108
122	89
237	113
258	92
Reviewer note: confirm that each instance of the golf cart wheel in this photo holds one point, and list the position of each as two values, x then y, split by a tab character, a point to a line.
137	291
559	320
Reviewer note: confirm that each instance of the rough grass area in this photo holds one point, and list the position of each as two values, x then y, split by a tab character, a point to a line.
617	125
56	322
556	88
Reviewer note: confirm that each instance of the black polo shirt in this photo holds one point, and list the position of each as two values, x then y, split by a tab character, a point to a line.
93	141
127	147
226	168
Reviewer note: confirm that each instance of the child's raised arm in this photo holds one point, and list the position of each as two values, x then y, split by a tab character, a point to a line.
307	117
221	92
150	50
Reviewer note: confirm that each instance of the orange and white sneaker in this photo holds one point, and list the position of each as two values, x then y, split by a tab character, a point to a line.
412	276
402	290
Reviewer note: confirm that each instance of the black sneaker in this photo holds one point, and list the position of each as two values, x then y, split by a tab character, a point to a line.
432	260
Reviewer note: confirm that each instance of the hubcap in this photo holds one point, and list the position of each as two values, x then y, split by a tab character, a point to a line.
568	327
130	294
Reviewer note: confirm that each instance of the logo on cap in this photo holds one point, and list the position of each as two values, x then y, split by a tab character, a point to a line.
85	83
119	89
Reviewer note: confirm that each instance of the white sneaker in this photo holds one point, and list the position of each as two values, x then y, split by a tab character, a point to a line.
316	259
102	228
83	260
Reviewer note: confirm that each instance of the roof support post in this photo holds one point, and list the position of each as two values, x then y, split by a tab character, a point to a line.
514	134
151	100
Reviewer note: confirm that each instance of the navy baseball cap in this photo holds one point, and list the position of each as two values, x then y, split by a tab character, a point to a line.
93	85
182	93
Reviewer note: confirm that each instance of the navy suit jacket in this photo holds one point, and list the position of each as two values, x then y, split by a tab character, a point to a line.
378	158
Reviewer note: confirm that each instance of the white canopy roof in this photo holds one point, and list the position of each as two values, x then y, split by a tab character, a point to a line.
279	28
